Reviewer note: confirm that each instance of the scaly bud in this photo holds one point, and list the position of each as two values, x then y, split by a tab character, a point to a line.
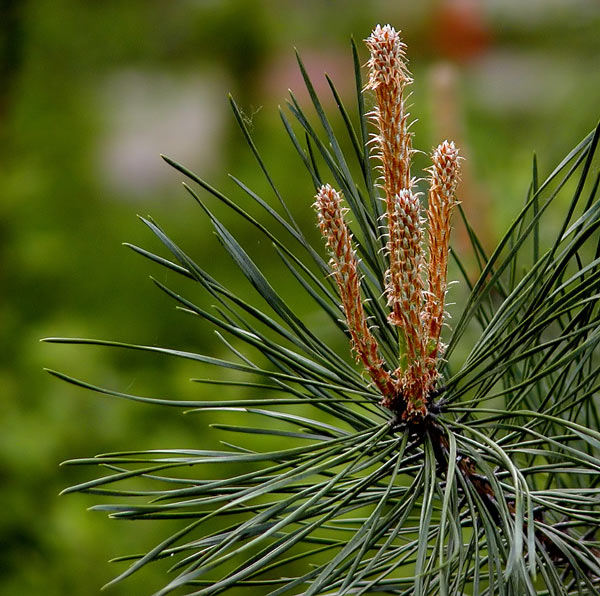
388	76
344	266
404	285
404	290
444	176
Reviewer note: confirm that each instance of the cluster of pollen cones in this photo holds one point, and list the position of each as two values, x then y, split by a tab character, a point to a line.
415	281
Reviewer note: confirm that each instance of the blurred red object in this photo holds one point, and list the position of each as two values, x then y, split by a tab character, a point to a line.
459	30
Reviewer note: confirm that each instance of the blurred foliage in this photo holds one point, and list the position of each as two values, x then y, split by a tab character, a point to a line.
63	269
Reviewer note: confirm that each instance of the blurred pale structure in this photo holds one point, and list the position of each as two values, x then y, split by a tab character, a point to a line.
147	112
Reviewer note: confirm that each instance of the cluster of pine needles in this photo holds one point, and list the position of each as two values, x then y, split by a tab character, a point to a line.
424	469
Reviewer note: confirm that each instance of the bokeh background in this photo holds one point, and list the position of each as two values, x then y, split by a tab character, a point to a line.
92	92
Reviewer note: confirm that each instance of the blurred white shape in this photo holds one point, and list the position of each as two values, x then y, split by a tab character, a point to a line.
149	112
513	82
523	15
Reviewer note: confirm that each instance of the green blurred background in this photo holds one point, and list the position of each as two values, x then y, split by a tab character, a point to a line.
91	93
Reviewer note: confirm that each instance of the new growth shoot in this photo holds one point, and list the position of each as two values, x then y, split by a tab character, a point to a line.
415	281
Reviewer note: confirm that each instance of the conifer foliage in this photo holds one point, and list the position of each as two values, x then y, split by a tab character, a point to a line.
446	461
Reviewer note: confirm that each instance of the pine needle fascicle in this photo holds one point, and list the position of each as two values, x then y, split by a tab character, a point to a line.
434	472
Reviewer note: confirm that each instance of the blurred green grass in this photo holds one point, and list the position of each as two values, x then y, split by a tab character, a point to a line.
91	93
